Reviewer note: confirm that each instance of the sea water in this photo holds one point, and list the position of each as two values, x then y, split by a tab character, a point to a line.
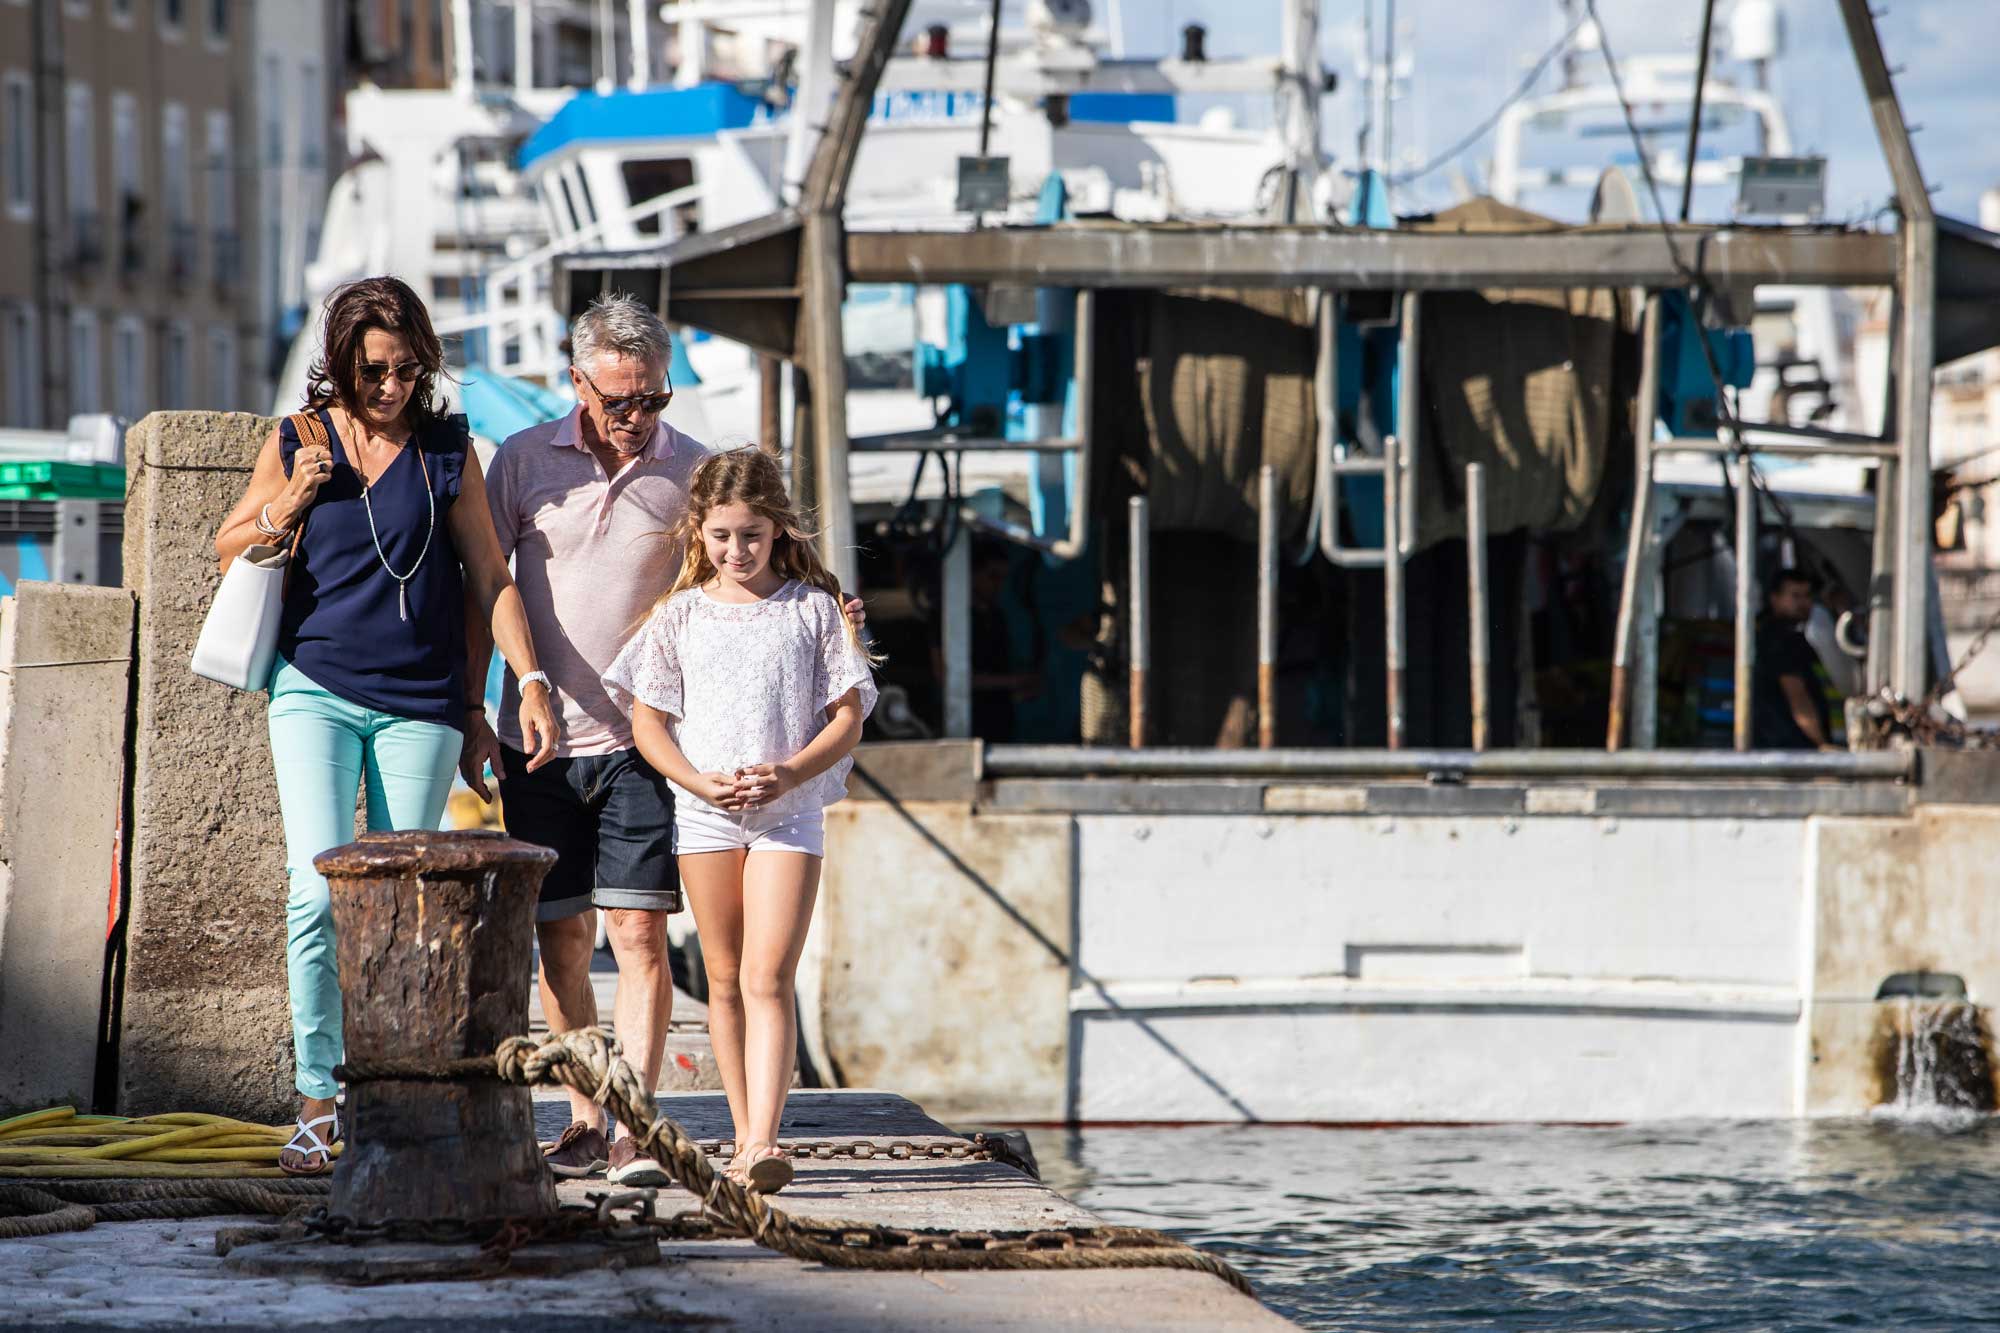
1891	1223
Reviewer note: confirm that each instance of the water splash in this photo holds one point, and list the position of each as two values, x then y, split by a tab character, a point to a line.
1937	1058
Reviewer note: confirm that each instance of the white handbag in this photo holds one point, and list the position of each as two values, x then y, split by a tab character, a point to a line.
239	639
238	645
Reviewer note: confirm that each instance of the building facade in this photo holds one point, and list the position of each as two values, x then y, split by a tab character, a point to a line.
132	191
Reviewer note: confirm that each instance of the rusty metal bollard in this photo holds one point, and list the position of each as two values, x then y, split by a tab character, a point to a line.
434	933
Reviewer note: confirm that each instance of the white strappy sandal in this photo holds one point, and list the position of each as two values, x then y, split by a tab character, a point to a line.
307	1142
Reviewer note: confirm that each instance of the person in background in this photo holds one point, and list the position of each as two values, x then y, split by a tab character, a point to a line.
369	690
1787	703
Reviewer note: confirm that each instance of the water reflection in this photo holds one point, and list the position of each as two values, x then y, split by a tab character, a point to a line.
1888	1223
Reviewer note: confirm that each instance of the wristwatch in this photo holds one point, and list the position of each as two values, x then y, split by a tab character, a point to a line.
534	676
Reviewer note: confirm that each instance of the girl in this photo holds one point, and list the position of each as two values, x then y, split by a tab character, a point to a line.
747	686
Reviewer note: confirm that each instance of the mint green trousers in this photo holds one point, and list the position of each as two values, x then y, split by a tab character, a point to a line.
325	748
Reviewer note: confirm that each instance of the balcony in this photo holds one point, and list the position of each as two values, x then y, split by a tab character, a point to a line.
183	253
86	231
228	259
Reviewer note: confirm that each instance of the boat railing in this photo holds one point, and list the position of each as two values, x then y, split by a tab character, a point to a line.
518	314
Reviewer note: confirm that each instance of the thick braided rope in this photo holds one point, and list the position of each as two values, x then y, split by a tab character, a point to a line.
586	1060
48	1207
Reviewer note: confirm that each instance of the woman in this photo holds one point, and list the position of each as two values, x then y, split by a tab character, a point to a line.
369	682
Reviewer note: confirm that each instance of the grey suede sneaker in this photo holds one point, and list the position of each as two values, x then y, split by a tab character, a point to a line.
629	1167
580	1152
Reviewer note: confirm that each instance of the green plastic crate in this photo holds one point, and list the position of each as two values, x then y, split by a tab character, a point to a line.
62	481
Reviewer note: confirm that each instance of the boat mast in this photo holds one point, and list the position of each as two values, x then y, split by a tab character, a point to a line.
1298	108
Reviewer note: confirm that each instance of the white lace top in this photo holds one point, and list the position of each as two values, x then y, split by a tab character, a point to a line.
746	684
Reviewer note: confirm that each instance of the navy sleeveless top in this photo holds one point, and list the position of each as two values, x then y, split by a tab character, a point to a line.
341	625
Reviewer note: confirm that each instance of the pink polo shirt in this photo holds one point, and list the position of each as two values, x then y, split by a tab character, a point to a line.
591	554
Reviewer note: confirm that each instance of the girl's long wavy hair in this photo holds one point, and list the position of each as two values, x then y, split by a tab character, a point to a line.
750	477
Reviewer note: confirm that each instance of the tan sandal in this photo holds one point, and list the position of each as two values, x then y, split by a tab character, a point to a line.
770	1169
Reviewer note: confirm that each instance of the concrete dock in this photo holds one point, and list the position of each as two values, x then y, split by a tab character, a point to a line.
165	1275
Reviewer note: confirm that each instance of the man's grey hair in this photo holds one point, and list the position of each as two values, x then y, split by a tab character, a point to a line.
618	325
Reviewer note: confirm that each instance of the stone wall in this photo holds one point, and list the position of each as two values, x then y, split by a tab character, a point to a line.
65	668
206	1018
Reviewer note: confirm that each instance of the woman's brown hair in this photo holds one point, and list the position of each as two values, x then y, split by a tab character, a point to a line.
387	304
750	477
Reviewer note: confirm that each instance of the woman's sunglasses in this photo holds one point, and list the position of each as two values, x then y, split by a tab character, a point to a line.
374	372
631	404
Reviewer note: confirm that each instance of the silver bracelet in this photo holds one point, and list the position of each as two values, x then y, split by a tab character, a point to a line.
266	526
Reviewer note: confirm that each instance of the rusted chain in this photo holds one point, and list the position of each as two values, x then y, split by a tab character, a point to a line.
586	1060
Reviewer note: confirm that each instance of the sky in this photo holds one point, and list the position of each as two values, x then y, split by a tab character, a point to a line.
1471	54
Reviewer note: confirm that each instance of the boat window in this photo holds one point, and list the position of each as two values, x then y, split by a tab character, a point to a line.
583	191
567	213
649	178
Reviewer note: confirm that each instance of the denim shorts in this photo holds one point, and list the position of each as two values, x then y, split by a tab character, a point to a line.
610	820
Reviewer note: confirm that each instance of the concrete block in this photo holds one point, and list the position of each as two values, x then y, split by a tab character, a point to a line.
941	957
206	1019
65	685
916	771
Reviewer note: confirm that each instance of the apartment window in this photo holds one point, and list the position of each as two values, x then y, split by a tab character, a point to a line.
82	164
221	174
128	368
174	376
121	13
274	263
17	102
218	21
86	364
221	368
274	113
312	118
173	16
20	344
126	174
175	187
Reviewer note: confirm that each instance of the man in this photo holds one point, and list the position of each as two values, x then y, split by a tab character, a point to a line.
589	507
1787	705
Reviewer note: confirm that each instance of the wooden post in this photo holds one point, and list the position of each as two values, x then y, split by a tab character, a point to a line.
435	938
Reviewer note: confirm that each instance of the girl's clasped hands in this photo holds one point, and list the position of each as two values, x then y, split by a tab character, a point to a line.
747	788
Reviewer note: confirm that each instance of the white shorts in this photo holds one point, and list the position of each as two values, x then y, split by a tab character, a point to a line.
699	829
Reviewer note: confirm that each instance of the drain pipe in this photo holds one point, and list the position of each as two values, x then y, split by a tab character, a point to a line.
1746	593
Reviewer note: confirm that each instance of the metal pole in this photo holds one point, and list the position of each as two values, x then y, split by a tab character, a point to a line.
524	47
826	355
1913	476
1694	120
992	64
1475	598
1140	587
1882	583
770	399
1409	382
642	47
1642	513
1267	607
958	637
1395	633
1746	596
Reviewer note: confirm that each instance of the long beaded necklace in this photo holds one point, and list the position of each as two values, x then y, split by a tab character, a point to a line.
430	498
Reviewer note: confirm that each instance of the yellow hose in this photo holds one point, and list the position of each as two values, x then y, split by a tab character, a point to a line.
58	1144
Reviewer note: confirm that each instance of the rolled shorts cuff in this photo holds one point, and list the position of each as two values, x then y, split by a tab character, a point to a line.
562	909
643	900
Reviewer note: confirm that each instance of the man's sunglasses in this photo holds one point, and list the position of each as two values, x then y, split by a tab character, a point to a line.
374	372
630	404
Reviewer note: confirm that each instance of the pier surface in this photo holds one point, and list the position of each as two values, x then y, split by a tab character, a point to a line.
165	1275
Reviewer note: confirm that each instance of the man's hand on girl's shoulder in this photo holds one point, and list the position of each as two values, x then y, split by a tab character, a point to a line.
856	613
